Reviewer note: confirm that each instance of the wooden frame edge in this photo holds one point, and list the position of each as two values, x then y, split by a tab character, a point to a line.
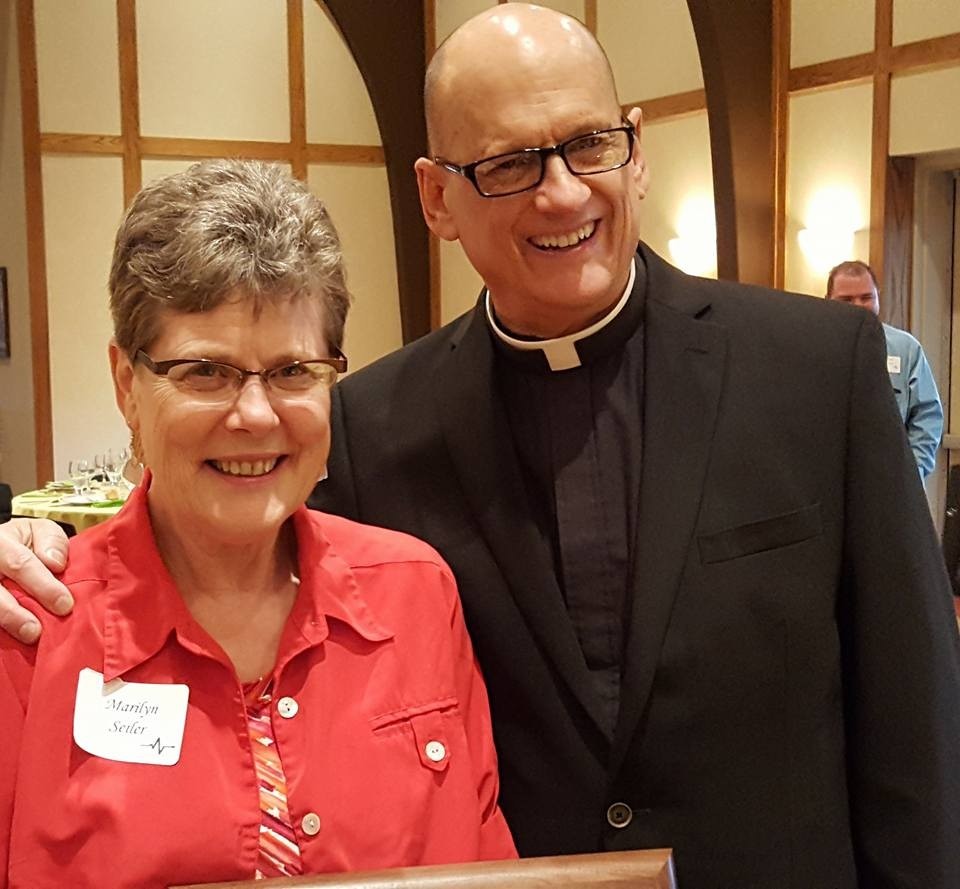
297	89
129	97
673	107
36	250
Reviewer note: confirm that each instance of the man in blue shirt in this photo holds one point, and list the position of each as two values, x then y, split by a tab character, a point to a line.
913	385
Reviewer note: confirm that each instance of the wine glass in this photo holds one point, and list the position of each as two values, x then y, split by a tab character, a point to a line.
112	465
80	476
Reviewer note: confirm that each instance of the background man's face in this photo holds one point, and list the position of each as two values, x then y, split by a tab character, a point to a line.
858	290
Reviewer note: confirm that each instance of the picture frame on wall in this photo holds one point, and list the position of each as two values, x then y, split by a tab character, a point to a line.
4	316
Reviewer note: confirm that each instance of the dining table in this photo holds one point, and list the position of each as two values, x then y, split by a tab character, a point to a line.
64	505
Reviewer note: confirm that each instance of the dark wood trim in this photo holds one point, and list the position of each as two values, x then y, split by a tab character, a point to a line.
590	16
368	155
936	52
394	82
836	72
296	78
781	122
896	282
129	97
429	29
880	140
36	251
734	41
933	53
164	146
671	107
81	143
433	244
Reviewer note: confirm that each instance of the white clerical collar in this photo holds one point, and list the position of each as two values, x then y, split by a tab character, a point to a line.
561	352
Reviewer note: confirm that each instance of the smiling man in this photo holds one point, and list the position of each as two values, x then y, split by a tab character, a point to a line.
694	554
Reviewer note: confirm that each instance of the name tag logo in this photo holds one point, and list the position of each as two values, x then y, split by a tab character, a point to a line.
893	364
129	721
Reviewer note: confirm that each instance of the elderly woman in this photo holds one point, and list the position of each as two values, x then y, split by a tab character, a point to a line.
246	688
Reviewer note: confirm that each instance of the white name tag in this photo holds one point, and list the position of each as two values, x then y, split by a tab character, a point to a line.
129	721
893	364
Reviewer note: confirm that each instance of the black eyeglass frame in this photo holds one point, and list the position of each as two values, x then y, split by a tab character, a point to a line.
162	368
469	171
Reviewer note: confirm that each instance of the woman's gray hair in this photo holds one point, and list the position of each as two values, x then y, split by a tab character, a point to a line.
191	241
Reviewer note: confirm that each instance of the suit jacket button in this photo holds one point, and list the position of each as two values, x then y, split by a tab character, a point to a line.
619	815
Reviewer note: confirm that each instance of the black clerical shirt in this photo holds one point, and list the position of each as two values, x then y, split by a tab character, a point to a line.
577	434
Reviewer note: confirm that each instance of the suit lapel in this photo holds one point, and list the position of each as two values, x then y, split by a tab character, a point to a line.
685	359
480	445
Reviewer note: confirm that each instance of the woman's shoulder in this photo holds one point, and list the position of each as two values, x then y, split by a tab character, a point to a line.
361	545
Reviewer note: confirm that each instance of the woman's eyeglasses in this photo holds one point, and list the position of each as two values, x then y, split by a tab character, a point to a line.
217	379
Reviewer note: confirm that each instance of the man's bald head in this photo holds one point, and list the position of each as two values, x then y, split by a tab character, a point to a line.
512	39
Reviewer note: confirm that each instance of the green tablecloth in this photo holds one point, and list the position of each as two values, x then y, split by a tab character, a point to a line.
47	505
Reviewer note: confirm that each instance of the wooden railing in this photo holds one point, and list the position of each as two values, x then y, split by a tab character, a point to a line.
646	869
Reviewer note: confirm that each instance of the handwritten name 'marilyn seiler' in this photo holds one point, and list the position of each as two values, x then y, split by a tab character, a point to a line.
130	726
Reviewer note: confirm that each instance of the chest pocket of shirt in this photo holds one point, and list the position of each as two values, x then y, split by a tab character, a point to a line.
429	729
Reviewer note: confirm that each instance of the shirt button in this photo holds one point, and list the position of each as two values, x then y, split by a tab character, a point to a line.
619	815
435	751
310	824
287	707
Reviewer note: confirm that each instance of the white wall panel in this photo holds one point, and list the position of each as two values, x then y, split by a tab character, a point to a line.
82	203
459	283
828	182
920	19
821	30
450	14
338	107
651	45
922	116
213	69
77	66
680	199
359	202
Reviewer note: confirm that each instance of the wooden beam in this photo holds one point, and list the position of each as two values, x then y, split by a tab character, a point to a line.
933	53
346	154
81	143
590	16
433	244
898	242
36	251
736	55
880	140
671	107
129	97
780	119
296	77
388	50
936	52
429	29
837	72
163	146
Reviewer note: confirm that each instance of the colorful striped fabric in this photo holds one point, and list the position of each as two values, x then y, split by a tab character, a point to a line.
279	852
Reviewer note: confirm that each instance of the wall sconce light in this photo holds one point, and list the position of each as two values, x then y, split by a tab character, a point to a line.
833	218
695	248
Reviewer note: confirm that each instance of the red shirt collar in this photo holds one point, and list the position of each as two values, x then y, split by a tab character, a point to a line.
143	606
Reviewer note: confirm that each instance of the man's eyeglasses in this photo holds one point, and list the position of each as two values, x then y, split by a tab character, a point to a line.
516	171
216	380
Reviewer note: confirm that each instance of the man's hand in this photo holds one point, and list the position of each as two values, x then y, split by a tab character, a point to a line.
29	550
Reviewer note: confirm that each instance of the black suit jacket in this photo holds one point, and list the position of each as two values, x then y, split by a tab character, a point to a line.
790	707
